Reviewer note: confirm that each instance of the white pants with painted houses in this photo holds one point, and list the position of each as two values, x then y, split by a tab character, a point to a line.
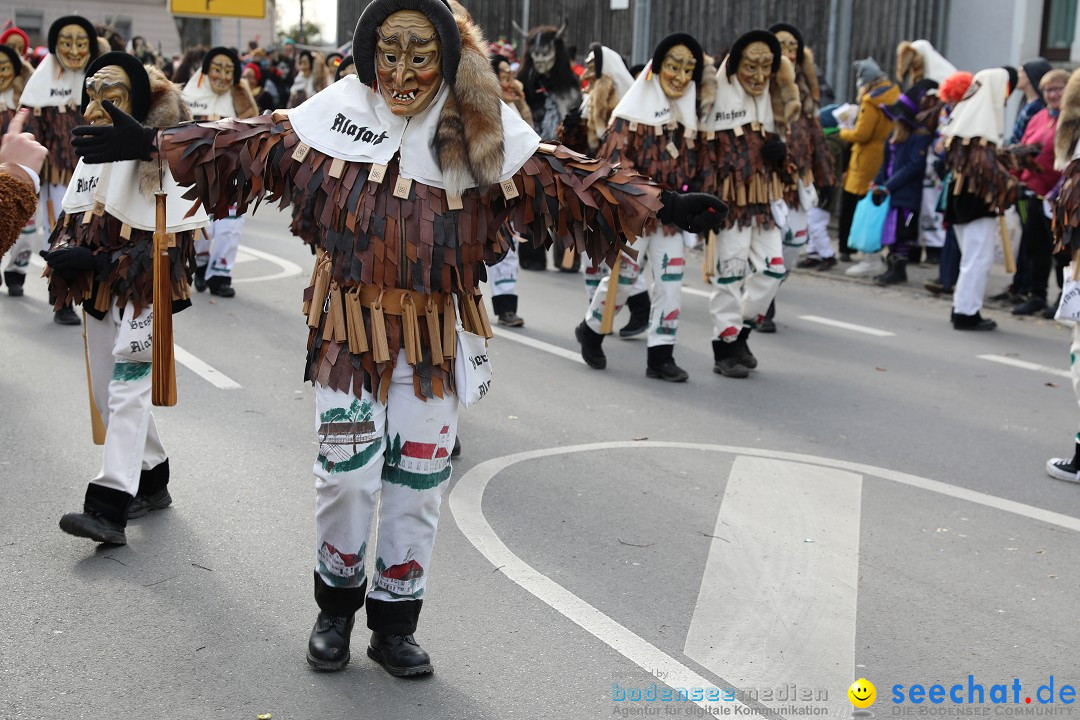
664	254
401	449
45	221
19	254
121	380
741	295
978	240
818	241
593	276
220	249
503	275
794	236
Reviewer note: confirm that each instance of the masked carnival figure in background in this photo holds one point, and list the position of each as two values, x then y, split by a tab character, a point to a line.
654	130
756	98
214	92
310	77
582	130
102	258
14	74
16	39
416	164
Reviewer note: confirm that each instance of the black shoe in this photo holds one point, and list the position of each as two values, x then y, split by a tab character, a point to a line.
399	655
89	524
826	264
934	286
221	286
661	365
639	306
592	351
743	356
66	316
456	452
845	257
1007	296
200	278
1032	305
511	319
809	262
328	646
726	363
896	272
14	282
144	504
972	322
1050	311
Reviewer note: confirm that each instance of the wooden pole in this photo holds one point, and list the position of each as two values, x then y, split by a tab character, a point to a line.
96	423
163	390
1006	245
607	321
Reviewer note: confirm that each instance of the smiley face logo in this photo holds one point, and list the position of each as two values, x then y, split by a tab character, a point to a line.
862	693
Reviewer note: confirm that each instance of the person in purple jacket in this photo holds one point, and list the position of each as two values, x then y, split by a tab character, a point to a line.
901	178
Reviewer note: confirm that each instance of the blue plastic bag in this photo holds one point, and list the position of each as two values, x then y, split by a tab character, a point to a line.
868	224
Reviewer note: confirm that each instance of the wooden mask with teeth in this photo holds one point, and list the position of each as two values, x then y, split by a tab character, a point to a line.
408	62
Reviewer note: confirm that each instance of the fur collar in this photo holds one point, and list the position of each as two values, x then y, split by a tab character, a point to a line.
785	96
469	137
1068	128
910	67
167	109
20	82
243	101
706	90
806	78
602	100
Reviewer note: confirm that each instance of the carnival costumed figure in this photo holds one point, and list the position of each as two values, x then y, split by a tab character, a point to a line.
755	99
980	188
14	74
653	129
214	92
16	39
310	77
417	165
101	257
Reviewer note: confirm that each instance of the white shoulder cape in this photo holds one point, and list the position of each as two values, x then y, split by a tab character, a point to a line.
735	107
646	103
52	85
203	101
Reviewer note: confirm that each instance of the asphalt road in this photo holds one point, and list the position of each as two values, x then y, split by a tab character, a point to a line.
870	503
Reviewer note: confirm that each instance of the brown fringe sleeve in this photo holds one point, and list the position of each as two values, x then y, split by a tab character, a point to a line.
981	169
17	206
809	153
744	180
1067	210
590	205
52	128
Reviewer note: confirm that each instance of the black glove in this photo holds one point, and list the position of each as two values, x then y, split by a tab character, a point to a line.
825	196
696	213
125	139
774	150
73	260
572	119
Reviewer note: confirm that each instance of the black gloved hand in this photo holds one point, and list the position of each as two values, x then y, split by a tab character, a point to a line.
70	261
825	196
774	150
125	139
696	213
572	119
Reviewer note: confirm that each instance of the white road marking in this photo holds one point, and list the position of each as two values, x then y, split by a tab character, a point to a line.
288	267
467	496
1026	365
847	326
695	291
790	612
538	344
215	377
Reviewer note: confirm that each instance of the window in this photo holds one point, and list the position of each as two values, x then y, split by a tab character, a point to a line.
31	22
1058	29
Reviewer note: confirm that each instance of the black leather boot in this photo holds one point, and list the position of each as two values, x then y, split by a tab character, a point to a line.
400	655
592	351
742	350
726	363
896	272
103	518
66	316
767	324
14	282
972	322
328	646
153	491
221	286
505	307
661	365
200	278
639	306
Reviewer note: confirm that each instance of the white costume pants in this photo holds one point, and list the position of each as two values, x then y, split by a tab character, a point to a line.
45	221
741	296
401	449
121	380
19	254
794	236
503	275
818	241
665	256
1074	365
593	276
978	240
224	242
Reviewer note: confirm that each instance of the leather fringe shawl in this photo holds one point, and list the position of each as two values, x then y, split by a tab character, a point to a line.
1066	218
743	179
129	275
362	226
981	169
52	128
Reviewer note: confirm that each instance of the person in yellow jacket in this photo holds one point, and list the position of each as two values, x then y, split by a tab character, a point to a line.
867	140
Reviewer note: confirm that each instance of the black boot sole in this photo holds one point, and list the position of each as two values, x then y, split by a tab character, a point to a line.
632	332
148	508
74	524
425	669
328	665
657	375
596	363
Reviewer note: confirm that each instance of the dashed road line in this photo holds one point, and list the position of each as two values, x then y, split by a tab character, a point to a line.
215	377
847	326
538	345
1003	360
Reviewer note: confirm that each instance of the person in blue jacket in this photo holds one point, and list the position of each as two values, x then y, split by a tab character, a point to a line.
901	178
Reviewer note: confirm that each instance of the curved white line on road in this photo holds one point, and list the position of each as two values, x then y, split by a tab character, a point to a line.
466	504
288	267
